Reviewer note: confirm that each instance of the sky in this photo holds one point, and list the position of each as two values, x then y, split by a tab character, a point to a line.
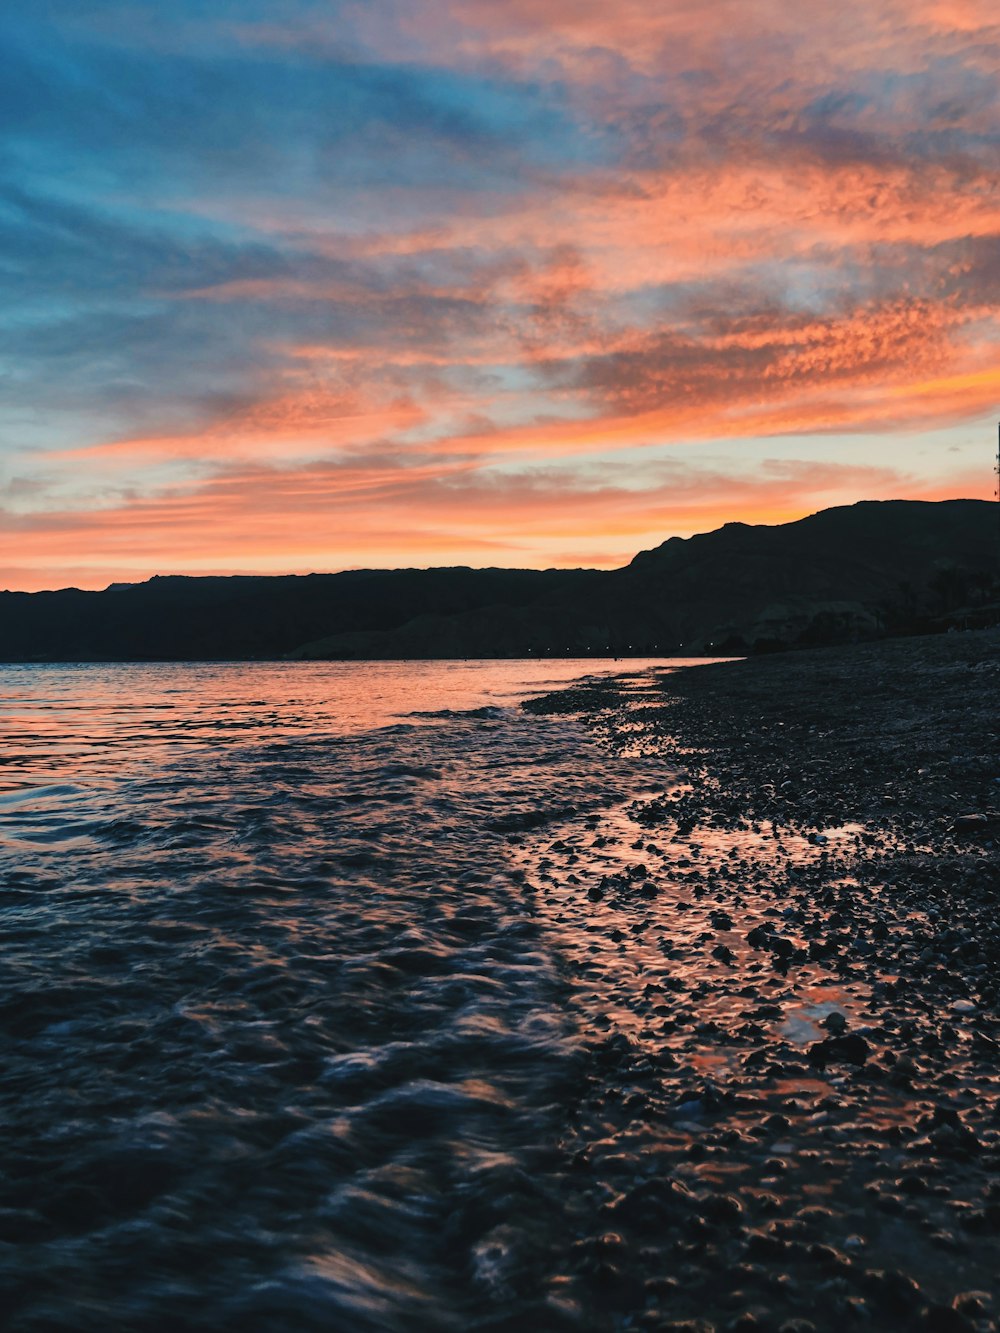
296	285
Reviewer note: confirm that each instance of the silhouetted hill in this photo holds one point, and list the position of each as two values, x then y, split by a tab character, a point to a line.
239	617
862	570
866	570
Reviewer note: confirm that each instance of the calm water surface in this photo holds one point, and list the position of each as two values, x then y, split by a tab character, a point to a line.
286	1044
80	722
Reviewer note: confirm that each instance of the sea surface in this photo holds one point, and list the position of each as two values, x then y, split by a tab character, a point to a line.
287	1043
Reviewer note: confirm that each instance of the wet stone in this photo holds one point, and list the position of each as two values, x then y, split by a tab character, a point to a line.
849	1049
946	1319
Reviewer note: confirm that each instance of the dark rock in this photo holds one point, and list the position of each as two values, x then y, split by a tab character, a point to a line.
650	1203
967	826
721	1208
829	1257
912	1183
946	1319
973	1303
894	1291
764	1247
848	1049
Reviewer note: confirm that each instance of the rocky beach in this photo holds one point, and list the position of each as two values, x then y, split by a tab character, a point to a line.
667	1000
789	962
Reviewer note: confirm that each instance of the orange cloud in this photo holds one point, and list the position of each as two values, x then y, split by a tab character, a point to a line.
754	219
295	424
322	518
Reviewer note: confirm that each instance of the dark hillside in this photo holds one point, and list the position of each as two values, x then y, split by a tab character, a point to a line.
860	571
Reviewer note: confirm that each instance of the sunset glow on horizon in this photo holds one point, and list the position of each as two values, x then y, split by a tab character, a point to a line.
301	285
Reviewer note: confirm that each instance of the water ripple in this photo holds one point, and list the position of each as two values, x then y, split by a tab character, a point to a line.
283	1039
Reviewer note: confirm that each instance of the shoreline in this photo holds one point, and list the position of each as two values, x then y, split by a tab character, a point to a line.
705	658
523	1008
789	968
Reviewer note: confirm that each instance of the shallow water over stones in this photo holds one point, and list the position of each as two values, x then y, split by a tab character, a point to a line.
284	1046
473	1020
795	1122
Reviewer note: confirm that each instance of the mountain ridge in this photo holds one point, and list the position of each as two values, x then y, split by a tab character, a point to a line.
866	570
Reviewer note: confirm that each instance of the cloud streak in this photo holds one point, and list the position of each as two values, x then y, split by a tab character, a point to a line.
426	252
260	518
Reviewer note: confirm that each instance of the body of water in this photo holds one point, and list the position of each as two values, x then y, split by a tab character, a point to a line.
287	1045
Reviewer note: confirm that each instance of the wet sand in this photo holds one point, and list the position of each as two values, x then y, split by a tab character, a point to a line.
787	963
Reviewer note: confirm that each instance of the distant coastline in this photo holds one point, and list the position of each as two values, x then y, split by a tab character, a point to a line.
873	570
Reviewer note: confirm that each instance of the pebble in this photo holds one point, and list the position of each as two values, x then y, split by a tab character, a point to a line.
850	1049
877	937
969	824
